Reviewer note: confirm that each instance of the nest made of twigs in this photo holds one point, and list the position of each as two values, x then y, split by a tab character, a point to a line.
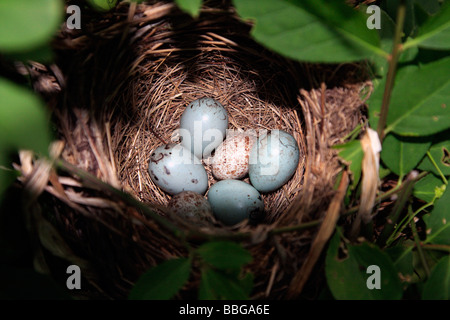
122	83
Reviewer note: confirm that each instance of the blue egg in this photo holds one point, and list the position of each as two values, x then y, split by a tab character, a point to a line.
174	169
203	126
233	201
273	160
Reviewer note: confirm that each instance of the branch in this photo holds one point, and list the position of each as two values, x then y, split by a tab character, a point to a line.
396	50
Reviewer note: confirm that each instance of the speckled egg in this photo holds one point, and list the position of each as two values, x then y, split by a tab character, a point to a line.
203	126
231	158
273	160
191	205
233	201
174	169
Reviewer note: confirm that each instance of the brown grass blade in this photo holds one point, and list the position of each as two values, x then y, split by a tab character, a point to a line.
324	233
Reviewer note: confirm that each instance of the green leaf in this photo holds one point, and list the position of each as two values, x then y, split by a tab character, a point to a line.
23	119
391	7
246	283
163	281
402	258
102	5
216	285
348	277
435	32
429	258
376	98
437	286
26	24
384	171
438	221
412	22
420	102
430	6
42	53
408	55
387	31
386	34
428	188
402	154
440	153
224	255
421	17
190	6
311	30
352	154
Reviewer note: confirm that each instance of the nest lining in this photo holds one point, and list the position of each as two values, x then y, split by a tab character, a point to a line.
122	98
161	104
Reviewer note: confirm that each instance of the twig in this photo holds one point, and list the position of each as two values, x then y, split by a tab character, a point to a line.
418	245
396	50
441	247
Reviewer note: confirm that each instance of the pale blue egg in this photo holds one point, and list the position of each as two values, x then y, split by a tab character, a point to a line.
232	201
203	126
174	169
273	160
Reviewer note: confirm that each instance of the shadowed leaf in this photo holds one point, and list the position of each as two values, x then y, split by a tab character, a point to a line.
347	277
437	287
163	281
311	30
439	152
224	255
216	285
438	221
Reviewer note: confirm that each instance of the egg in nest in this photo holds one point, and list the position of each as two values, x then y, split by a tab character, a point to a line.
191	205
231	158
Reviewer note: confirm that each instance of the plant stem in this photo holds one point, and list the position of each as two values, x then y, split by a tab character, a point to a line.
352	134
396	50
405	221
403	197
437	168
387	194
419	245
440	247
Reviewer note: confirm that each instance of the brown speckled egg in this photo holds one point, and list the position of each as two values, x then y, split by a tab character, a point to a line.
231	158
191	205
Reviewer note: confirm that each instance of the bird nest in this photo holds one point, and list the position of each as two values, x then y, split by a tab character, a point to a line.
117	90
